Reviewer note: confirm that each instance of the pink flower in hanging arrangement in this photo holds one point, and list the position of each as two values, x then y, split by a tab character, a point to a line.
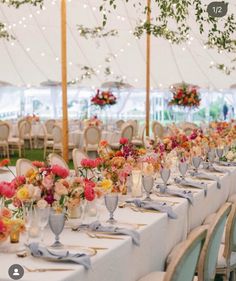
124	141
103	98
60	171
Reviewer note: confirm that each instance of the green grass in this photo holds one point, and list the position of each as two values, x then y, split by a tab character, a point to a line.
34	154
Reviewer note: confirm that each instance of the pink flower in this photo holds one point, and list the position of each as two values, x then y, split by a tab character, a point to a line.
124	141
89	183
60	189
60	171
6	189
18	181
3	227
6	213
4	162
89	193
49	198
47	181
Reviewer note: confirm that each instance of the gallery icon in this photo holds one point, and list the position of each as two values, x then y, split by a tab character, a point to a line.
16	271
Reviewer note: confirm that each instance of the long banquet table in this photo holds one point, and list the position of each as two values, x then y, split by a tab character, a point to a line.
122	260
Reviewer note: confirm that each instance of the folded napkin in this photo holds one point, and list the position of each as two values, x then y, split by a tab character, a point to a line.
152	205
64	255
207	176
227	164
184	182
181	193
212	168
97	227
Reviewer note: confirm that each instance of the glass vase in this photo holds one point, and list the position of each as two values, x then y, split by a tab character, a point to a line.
89	212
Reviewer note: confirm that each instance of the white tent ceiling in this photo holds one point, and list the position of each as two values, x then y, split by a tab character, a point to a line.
34	56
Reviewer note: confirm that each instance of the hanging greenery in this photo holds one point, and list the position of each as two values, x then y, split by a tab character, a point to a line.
96	32
220	31
4	34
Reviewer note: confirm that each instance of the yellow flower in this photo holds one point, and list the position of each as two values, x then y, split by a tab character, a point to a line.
106	184
23	193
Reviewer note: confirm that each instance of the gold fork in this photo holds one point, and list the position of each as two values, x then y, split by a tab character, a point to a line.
46	269
99	236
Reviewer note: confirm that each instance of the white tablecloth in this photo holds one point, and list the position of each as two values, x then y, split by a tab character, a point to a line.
123	261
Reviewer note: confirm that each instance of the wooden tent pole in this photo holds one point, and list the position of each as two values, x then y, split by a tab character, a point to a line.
148	69
64	81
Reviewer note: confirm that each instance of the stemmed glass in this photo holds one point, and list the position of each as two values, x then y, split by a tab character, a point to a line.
219	153
183	168
56	223
43	219
196	161
148	182
165	175
111	202
211	156
27	207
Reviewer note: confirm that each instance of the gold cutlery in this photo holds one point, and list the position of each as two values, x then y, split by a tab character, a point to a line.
46	269
91	247
101	236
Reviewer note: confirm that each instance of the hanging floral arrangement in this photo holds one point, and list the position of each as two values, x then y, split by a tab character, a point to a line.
185	95
103	98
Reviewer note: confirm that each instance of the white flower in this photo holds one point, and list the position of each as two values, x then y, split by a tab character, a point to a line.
230	156
42	204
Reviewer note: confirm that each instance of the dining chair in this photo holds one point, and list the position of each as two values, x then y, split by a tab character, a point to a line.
47	143
157	130
18	142
23	166
139	140
28	133
49	124
57	139
77	156
226	263
92	136
182	267
4	136
55	159
126	132
119	124
208	259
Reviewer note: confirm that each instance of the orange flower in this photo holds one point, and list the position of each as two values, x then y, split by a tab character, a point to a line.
4	162
6	213
103	143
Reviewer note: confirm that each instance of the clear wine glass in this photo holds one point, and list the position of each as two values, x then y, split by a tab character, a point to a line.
196	161
27	207
165	175
219	153
56	223
211	156
183	168
148	182
111	202
43	219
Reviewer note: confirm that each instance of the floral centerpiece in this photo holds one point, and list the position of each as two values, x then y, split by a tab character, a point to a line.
32	118
93	121
185	96
103	99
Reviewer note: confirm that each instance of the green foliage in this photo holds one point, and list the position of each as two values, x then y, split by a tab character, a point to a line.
96	32
215	110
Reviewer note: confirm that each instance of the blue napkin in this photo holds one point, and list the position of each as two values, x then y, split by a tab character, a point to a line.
64	255
227	164
97	227
152	205
181	193
184	182
212	168
208	177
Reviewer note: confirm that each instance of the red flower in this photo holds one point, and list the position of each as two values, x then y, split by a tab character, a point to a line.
4	162
124	141
18	181
6	189
89	193
3	227
60	171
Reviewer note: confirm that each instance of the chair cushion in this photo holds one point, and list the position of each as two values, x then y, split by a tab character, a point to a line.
221	263
92	147
15	141
115	145
154	276
137	142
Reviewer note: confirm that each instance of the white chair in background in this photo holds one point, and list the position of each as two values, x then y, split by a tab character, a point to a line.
18	142
49	124
57	139
77	156
23	166
140	139
92	137
55	159
28	133
47	143
119	124
4	136
126	132
157	130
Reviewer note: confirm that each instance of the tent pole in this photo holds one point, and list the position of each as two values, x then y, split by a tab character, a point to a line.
148	39
64	82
